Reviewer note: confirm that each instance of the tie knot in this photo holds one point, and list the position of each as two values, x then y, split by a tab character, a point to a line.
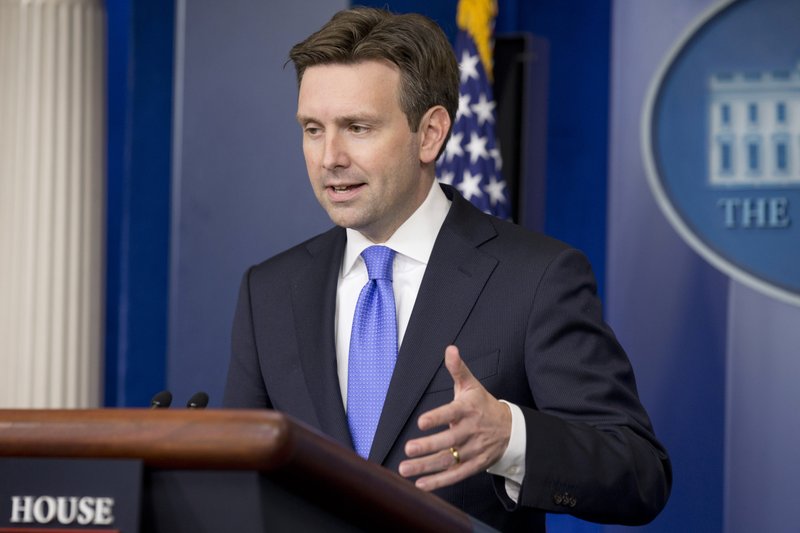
379	261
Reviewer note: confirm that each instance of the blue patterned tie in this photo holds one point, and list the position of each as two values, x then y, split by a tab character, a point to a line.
373	349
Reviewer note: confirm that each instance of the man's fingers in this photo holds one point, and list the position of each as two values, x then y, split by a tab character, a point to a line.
439	459
436	462
448	413
444	440
449	476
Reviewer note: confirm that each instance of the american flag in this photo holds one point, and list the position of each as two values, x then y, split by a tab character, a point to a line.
471	161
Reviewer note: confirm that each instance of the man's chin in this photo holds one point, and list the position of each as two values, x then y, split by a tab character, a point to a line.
344	219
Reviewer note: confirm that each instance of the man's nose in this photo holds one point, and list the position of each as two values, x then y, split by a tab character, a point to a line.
335	155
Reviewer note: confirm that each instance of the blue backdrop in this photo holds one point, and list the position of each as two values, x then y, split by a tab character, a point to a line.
206	177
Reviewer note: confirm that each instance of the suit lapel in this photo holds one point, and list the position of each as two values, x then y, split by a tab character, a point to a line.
314	302
453	281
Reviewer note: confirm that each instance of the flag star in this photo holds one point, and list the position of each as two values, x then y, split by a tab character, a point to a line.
468	67
498	158
447	178
484	109
453	147
496	190
463	106
473	143
470	185
476	147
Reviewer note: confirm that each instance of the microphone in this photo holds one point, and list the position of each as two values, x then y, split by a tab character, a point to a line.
198	400
162	400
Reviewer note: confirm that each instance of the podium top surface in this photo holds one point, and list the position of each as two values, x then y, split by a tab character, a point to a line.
220	439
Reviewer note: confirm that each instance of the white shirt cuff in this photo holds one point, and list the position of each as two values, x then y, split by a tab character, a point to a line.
512	463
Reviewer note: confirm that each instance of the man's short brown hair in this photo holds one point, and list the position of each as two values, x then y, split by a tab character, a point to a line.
415	43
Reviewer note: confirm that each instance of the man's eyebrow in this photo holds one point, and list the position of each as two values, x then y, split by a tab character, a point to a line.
344	119
363	117
302	119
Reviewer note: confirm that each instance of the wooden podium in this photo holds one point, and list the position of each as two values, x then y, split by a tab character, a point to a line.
233	470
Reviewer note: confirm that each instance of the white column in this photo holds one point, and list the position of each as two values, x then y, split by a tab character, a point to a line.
52	202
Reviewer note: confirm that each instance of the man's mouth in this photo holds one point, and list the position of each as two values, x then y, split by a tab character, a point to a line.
341	189
344	193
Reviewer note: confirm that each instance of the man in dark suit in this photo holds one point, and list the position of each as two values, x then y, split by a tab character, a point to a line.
508	396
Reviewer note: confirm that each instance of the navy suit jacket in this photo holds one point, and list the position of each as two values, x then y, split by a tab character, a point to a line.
522	309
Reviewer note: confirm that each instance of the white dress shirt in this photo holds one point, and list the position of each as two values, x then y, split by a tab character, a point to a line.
413	242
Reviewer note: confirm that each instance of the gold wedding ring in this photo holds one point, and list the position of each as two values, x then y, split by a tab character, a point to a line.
455	455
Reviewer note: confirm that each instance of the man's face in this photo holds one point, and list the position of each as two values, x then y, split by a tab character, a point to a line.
363	160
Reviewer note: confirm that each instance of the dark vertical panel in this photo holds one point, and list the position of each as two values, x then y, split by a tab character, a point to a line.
118	36
521	77
140	52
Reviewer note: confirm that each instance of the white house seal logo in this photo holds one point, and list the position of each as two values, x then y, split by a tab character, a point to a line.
721	142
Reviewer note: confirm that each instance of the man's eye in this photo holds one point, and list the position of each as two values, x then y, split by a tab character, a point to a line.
312	130
357	128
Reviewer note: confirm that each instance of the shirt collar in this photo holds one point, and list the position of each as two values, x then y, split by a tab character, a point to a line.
413	239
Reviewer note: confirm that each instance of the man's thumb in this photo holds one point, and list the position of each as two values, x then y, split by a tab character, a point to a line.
461	375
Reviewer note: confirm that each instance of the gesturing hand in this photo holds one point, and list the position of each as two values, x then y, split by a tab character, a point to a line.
479	427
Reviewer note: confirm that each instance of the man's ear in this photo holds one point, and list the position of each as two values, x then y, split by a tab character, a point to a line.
433	130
